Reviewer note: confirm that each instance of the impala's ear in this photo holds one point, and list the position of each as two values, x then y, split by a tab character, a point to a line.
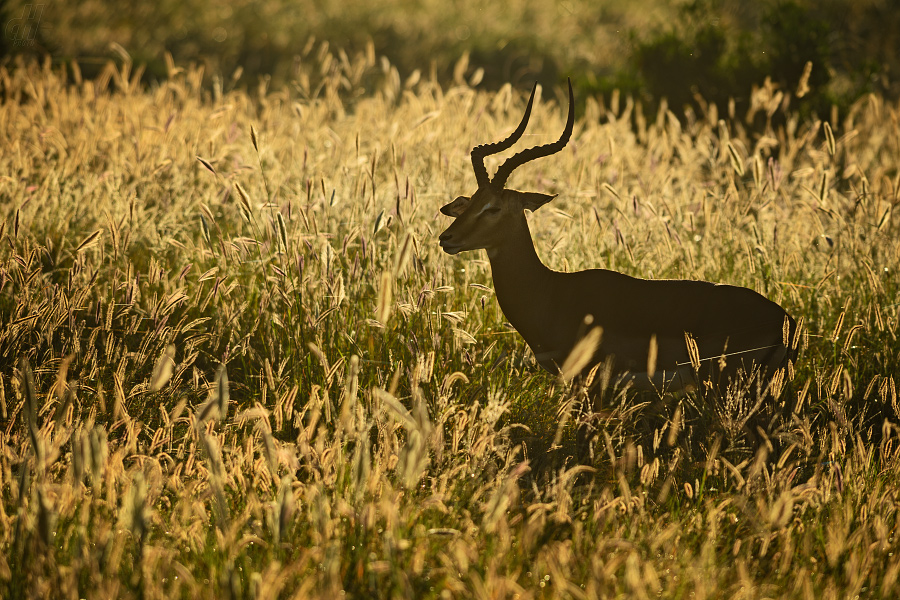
533	200
457	207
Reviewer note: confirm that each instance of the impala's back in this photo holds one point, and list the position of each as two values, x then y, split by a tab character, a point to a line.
732	328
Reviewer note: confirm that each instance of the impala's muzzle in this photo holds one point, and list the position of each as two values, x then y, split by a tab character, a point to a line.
448	244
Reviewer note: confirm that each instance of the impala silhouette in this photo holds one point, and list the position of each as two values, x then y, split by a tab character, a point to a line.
698	331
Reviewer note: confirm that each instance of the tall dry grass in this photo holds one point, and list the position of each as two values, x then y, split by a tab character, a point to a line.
236	364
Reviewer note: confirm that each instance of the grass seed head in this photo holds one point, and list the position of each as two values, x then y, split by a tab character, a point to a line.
581	354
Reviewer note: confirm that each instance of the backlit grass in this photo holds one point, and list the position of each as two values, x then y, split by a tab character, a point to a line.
235	363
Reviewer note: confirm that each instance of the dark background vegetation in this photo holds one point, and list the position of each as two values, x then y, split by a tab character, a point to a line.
714	50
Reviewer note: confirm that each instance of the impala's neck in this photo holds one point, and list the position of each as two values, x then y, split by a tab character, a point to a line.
519	276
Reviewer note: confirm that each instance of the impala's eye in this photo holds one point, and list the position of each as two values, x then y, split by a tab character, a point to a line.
492	210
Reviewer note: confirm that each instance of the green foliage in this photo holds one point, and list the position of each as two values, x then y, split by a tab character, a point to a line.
717	48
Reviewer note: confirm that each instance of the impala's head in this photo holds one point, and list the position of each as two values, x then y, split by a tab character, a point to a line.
484	218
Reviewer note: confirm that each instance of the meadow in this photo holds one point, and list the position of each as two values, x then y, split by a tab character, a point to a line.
236	364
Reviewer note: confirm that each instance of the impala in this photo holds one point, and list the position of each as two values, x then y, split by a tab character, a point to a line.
695	329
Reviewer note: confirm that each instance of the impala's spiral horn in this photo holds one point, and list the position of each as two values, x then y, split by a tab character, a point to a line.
520	158
479	152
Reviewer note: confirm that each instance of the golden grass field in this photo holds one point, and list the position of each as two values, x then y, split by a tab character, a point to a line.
236	364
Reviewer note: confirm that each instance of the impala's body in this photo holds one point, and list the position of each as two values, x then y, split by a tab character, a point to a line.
735	329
